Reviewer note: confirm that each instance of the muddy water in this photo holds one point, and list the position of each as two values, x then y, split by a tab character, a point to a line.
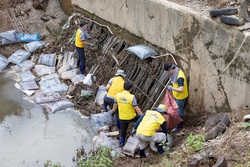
29	135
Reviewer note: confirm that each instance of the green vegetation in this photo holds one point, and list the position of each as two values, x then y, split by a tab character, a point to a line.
195	143
49	163
100	158
246	160
246	124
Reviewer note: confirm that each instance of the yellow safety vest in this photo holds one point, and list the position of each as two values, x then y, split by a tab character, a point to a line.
78	41
151	122
116	86
184	94
126	110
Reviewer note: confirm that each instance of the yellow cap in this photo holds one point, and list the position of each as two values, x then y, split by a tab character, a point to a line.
161	108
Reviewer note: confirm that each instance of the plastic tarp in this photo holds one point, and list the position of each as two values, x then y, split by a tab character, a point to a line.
28	37
100	95
41	98
172	118
102	119
44	70
53	85
26	65
26	76
33	46
19	56
8	37
142	51
3	63
47	59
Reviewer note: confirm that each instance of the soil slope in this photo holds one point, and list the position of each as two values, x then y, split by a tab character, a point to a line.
234	144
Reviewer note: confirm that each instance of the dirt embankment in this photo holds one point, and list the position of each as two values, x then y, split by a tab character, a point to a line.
233	144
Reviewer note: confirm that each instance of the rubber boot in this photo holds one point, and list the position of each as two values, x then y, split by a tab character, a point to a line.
142	153
122	141
159	148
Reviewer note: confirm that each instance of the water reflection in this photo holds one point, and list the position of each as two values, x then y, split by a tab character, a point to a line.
29	135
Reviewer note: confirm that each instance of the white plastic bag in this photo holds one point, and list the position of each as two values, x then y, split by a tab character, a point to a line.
88	79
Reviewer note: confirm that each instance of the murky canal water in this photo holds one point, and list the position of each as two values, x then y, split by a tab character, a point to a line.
29	135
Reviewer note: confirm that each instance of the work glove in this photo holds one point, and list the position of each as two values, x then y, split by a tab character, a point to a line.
133	132
170	87
91	44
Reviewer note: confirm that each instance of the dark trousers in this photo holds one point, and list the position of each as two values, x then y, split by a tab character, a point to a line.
107	101
124	125
81	59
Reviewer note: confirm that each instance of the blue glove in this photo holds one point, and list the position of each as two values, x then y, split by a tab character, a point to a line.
170	88
133	132
91	44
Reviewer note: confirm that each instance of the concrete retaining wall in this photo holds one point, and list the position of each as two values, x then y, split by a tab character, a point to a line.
214	56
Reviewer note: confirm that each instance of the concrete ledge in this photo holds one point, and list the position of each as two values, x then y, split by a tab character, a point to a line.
214	56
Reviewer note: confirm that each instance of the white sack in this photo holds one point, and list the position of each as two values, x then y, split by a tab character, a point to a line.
60	105
26	65
33	46
69	74
26	76
3	63
19	56
47	59
44	70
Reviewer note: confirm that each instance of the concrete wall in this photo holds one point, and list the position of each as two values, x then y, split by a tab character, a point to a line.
214	56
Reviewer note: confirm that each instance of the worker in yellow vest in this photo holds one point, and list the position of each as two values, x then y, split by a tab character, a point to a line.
128	110
81	40
179	89
114	86
146	128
